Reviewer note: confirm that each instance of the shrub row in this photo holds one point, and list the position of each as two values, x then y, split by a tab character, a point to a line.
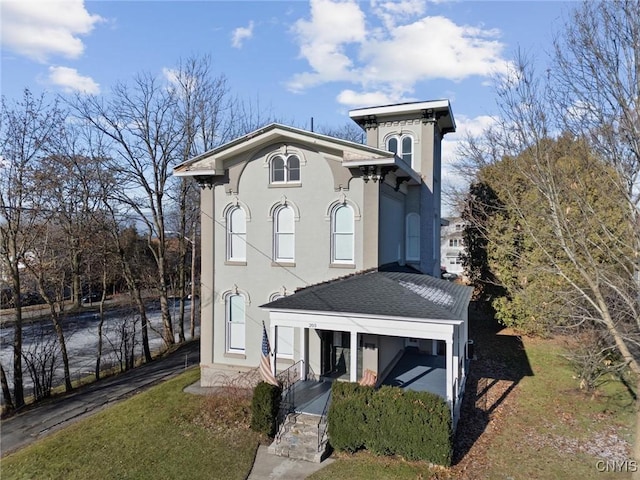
264	408
390	421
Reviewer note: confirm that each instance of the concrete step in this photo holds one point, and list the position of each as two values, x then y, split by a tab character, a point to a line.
298	438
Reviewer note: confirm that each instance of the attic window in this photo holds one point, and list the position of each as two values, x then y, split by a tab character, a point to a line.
285	169
402	145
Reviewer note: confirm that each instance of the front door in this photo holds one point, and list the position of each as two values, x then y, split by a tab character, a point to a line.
335	351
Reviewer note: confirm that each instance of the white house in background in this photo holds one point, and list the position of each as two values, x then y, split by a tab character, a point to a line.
286	210
452	245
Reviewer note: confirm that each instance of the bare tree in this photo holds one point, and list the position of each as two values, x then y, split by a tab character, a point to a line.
41	360
591	90
146	136
27	130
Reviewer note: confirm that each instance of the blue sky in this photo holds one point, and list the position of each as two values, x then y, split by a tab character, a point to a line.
301	59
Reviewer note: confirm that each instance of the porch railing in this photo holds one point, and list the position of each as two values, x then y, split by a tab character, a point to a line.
287	379
323	424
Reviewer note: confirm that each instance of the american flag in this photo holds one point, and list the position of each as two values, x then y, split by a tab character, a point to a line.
265	363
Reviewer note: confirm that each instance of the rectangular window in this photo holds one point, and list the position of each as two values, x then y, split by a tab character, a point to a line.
235	323
343	241
285	342
284	240
237	235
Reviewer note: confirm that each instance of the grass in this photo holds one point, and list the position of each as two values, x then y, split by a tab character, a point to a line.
537	424
160	433
555	430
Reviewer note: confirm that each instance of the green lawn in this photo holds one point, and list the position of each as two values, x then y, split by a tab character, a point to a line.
543	428
162	433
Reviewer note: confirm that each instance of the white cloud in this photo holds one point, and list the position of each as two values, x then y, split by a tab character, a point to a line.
392	12
323	41
240	34
387	54
40	29
351	98
71	81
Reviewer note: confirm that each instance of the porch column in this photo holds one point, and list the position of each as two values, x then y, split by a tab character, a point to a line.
449	356
304	344
456	360
274	347
353	376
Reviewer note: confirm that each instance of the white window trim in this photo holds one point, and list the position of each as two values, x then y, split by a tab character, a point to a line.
411	258
286	156
230	234
277	233
227	322
279	354
401	153
335	261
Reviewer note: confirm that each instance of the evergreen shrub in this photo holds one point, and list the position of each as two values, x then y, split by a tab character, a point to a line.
264	408
391	421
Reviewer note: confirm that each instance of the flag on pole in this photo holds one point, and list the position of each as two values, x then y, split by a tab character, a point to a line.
265	362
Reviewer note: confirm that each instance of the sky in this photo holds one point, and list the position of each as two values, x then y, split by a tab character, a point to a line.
298	59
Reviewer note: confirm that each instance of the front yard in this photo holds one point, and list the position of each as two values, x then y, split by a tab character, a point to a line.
523	418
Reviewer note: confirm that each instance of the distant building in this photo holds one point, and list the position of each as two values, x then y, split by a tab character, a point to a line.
452	245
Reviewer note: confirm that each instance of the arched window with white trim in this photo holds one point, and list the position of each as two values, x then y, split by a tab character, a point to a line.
285	169
237	235
284	234
235	305
402	145
342	235
413	237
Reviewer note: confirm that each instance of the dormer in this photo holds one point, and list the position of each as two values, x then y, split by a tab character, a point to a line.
413	131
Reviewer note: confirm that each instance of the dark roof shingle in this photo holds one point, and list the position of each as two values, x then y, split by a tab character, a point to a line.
394	294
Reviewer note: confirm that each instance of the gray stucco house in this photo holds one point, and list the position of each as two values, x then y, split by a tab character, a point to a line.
353	229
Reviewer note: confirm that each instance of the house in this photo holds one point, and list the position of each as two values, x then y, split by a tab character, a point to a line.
452	245
334	245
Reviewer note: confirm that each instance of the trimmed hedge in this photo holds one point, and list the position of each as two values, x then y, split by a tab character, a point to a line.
264	408
390	421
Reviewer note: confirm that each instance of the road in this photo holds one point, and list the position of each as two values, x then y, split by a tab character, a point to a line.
81	338
37	422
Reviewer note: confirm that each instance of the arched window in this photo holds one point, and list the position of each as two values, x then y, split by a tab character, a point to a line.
402	145
392	145
285	169
237	235
407	149
342	234
235	322
277	169
284	235
413	237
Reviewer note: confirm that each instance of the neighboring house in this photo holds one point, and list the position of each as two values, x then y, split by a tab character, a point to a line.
452	245
285	209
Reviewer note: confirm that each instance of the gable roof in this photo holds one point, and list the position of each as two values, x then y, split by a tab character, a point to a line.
211	162
392	294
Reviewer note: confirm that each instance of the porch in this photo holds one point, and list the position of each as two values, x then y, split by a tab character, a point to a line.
413	371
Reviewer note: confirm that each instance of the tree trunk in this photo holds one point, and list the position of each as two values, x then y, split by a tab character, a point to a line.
18	386
57	326
6	393
167	324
